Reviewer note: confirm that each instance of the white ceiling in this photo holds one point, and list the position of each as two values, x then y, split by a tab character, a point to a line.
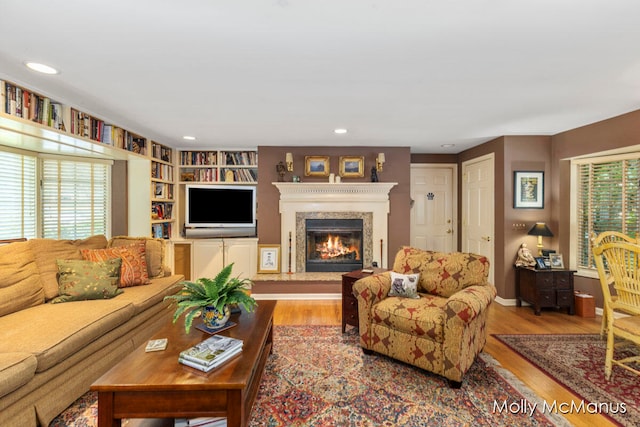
417	73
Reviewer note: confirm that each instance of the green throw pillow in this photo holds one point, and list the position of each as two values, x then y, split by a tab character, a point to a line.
80	280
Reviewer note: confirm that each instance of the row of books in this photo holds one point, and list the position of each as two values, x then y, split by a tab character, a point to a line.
161	171
161	230
162	190
161	210
241	175
161	152
82	124
240	158
211	353
199	175
198	158
28	105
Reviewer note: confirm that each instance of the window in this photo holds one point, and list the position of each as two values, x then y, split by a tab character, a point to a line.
608	199
18	195
74	198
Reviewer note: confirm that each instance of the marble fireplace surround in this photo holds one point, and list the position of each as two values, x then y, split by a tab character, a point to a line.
366	201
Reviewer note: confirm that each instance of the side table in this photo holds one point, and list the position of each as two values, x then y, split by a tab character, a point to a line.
349	302
545	288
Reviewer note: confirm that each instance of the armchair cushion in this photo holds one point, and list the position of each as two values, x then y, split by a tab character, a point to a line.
441	273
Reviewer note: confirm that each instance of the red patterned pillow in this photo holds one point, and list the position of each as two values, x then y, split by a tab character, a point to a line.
134	265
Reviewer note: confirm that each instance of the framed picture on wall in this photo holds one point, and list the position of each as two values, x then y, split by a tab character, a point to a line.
351	166
528	190
268	258
316	165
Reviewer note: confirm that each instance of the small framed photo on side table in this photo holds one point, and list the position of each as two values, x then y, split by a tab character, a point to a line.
540	264
556	261
268	258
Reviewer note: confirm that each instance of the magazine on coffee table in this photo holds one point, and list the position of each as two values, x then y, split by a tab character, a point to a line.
211	352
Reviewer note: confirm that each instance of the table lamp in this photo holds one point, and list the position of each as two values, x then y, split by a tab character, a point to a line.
541	230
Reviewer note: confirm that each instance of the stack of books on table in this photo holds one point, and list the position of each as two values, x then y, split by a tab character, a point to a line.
201	422
211	353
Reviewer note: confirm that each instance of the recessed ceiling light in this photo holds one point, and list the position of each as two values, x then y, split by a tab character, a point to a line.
41	68
189	138
448	145
340	131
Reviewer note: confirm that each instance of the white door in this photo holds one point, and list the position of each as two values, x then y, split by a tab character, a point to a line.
478	207
433	221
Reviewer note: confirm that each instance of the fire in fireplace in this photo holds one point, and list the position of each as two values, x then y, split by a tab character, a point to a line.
333	244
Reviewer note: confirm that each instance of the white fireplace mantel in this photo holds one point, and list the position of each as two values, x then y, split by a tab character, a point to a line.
315	197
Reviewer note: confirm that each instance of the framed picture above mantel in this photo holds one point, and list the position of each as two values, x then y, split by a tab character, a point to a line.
528	190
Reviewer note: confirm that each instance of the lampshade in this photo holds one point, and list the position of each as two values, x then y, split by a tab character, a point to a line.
289	161
540	229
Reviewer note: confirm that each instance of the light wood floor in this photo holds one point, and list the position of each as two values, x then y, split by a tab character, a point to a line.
502	320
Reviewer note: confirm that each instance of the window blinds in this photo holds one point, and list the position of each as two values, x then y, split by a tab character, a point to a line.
18	195
74	199
608	200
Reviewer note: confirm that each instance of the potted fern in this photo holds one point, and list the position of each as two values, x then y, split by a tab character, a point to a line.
212	298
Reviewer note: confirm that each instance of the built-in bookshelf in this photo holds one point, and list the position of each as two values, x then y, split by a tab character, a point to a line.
34	122
163	191
216	166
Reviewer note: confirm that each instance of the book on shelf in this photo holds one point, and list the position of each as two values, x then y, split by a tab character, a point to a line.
201	422
211	353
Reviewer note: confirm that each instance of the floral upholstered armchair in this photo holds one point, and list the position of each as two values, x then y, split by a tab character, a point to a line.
430	311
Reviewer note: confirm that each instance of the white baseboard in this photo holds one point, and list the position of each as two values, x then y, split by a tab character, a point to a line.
297	296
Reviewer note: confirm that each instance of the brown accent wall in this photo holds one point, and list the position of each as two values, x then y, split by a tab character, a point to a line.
615	133
396	169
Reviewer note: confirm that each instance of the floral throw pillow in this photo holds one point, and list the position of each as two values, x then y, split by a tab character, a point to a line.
80	280
404	285
134	265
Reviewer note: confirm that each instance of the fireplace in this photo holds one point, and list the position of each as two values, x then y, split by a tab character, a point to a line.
333	244
367	201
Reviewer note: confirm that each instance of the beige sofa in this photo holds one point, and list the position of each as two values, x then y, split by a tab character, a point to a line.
51	353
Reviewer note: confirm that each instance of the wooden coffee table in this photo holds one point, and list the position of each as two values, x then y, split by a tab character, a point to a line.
156	385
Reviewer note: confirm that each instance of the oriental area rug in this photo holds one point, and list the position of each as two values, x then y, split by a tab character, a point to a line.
317	376
576	361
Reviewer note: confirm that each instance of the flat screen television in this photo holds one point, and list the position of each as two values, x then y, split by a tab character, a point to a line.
220	210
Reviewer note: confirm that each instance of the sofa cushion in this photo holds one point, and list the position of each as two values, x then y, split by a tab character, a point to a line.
404	285
134	265
67	328
154	252
47	251
144	297
16	369
20	283
422	317
82	280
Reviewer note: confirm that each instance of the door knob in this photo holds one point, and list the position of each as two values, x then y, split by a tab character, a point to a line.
449	231
487	238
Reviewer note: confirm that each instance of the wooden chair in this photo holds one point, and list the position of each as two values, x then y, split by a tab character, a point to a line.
623	265
599	239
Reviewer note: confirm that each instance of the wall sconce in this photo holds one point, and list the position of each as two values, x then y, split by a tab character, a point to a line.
289	161
541	230
379	162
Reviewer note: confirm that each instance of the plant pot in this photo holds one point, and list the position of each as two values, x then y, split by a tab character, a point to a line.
214	319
